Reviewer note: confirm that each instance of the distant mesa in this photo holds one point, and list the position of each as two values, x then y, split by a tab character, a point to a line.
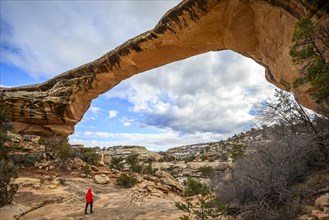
261	30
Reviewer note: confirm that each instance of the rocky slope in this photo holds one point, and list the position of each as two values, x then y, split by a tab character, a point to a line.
261	30
50	189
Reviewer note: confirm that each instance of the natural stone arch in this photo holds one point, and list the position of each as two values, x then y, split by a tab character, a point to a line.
259	29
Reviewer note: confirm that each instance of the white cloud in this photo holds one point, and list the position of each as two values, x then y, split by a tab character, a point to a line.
48	38
208	93
113	113
127	121
87	133
95	110
4	86
198	99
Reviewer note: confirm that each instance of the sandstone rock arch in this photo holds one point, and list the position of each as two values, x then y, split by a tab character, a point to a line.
259	29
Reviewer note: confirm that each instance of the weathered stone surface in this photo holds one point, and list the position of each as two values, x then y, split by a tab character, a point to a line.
167	179
324	199
27	182
261	30
102	179
125	151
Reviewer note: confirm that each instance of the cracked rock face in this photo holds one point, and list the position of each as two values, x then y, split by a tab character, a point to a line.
259	29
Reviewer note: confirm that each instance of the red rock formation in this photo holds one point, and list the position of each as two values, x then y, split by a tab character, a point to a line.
259	29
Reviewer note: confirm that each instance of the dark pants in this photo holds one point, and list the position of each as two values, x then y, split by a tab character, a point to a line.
91	207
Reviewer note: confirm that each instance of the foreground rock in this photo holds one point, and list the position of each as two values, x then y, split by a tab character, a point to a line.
68	202
261	30
102	179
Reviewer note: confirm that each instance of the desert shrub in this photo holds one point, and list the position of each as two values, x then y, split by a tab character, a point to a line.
126	181
25	159
62	181
89	155
132	159
7	187
7	169
149	170
86	169
170	168
137	168
206	205
206	170
31	158
134	163
117	163
64	151
309	51
189	159
57	147
166	157
224	157
261	181
237	151
4	128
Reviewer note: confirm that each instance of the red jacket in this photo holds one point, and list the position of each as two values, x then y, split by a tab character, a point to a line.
89	196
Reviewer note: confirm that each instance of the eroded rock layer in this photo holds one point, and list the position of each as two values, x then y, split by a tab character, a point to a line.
259	29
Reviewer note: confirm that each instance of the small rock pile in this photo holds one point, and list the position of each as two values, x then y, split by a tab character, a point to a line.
322	209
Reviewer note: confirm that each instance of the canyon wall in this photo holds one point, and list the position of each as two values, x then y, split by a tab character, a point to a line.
259	29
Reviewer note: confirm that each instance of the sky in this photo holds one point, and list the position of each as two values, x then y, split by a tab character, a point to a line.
201	99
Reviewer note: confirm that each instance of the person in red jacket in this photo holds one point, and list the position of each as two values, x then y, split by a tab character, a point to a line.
89	200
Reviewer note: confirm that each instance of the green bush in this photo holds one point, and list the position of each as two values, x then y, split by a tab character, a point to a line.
309	52
237	151
194	187
224	157
126	181
149	170
57	147
86	169
206	170
31	158
7	187
206	206
166	158
132	159
189	159
117	163
89	155
7	168
64	151
137	168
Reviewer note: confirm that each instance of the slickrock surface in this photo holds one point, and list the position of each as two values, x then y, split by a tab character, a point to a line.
111	203
259	29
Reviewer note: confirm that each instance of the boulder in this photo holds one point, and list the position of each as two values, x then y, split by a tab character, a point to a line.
14	137
94	168
320	215
102	179
167	179
32	138
78	162
322	200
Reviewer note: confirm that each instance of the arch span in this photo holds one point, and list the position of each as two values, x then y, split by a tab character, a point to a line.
259	29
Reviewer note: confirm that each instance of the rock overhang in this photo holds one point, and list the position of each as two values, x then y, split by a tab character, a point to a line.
261	30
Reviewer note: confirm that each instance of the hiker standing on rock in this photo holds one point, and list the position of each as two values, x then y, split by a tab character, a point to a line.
89	200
